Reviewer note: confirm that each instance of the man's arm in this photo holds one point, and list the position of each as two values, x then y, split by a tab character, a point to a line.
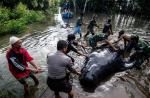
30	60
35	66
111	29
121	37
17	64
69	66
95	24
75	50
81	54
118	40
109	43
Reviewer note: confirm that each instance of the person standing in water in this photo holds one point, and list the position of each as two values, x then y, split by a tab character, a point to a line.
108	27
58	64
128	44
91	25
101	37
71	43
17	58
79	23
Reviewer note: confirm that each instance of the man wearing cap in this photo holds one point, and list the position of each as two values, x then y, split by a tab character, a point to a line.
17	58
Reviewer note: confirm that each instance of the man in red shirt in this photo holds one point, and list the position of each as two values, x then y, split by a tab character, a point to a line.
17	58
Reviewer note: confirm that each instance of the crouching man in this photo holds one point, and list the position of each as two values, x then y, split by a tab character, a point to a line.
101	37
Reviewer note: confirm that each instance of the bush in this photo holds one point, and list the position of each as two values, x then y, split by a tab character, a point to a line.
21	10
4	14
3	29
14	26
34	16
16	20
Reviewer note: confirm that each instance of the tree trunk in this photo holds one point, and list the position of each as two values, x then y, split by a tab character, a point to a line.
74	3
85	5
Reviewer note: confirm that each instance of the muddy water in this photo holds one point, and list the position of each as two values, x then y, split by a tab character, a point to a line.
42	39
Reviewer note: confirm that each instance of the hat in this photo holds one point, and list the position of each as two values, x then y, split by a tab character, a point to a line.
13	39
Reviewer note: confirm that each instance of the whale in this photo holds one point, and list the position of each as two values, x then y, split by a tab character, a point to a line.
105	63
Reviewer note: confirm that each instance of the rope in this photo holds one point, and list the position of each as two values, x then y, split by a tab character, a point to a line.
44	92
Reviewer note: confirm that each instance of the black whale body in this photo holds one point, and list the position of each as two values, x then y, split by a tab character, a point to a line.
100	66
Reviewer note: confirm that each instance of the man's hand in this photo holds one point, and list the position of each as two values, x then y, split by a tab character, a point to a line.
35	70
31	69
115	49
86	55
78	72
39	70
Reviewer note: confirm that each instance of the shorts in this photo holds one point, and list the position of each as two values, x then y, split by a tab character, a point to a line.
23	80
105	30
59	85
77	30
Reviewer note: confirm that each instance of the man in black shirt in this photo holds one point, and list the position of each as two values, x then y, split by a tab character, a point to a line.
91	26
107	27
71	44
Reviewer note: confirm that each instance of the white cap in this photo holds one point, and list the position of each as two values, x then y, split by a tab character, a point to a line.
13	39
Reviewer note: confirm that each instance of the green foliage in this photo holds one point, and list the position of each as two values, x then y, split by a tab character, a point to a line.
31	4
16	20
34	16
15	15
62	2
14	26
4	14
52	10
20	10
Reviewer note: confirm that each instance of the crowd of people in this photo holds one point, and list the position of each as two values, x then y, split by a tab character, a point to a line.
59	62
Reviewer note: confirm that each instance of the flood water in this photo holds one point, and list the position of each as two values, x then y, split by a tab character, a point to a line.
42	39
